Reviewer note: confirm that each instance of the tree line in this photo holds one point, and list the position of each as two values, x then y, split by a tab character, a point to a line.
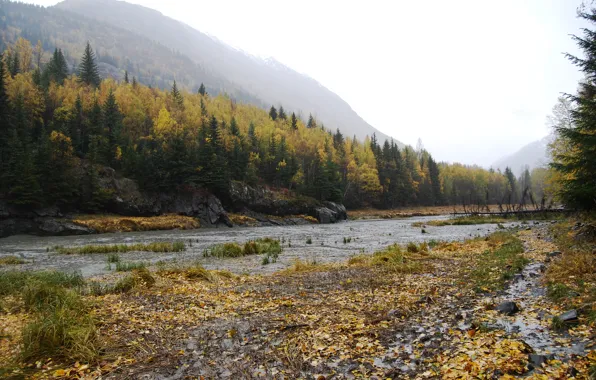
60	128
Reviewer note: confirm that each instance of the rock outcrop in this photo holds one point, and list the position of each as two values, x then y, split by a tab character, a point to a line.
262	204
248	199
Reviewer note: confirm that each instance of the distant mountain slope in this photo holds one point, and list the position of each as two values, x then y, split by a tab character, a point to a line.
533	155
268	80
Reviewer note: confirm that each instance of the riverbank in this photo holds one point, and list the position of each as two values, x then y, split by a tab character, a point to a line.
422	311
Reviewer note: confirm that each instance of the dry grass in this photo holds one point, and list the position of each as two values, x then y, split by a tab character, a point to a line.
406	212
11	260
571	277
243	220
117	223
122	248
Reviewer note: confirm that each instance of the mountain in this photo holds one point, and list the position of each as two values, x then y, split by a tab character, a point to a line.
533	155
158	50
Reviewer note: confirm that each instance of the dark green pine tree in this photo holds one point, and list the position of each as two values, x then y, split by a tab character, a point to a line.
433	170
126	77
15	65
311	122
273	113
282	114
112	123
5	118
578	165
202	90
294	122
512	182
234	128
88	70
176	95
22	185
134	82
252	138
60	69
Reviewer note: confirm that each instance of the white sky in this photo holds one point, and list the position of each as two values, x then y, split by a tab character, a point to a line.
473	79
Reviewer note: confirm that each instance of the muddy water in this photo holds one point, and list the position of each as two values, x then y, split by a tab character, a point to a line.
327	244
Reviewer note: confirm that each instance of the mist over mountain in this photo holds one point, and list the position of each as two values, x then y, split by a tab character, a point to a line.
533	155
261	82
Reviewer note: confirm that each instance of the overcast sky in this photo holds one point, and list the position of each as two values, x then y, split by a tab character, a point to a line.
473	79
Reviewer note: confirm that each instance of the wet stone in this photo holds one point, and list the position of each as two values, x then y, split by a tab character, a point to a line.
553	254
569	317
507	308
538	360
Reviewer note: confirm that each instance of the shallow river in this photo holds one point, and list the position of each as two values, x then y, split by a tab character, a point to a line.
327	244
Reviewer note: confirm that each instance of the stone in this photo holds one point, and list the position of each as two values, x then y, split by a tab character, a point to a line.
395	313
569	316
536	360
507	308
553	254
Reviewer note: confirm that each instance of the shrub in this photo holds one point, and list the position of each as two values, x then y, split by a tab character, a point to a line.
113	258
309	240
251	248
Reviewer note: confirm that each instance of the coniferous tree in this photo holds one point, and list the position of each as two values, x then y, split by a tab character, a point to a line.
311	122
273	113
15	65
134	82
282	114
126	76
176	95
294	122
578	164
202	90
88	70
112	123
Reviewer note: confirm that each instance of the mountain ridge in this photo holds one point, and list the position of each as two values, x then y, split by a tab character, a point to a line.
533	155
272	84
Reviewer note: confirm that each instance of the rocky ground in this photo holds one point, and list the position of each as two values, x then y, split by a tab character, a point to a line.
423	318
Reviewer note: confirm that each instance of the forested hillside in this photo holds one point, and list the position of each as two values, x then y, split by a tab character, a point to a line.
159	50
58	128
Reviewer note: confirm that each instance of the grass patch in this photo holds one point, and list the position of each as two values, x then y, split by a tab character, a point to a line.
113	258
116	223
268	246
571	277
243	220
11	260
301	266
122	248
394	259
60	325
129	267
13	282
496	266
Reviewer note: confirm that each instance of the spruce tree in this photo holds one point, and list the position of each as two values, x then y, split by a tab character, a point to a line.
578	164
112	122
273	113
88	70
294	122
126	76
15	65
134	82
311	122
282	114
176	95
202	90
